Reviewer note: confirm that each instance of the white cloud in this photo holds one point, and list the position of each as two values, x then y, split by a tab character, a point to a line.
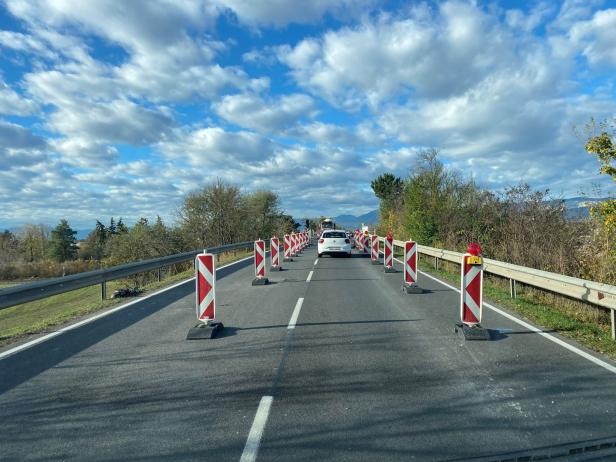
268	116
444	54
596	37
11	103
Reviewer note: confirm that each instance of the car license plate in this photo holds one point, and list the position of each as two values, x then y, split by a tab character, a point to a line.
334	248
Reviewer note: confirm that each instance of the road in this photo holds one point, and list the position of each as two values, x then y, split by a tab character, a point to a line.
354	371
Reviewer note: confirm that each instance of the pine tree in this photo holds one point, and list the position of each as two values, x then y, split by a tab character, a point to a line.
63	242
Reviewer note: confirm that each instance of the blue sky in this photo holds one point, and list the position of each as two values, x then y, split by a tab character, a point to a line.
114	108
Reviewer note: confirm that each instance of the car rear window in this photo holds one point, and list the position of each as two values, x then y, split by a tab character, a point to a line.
334	234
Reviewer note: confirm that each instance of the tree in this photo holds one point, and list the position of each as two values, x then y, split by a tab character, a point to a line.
214	215
63	245
121	227
388	188
34	241
604	147
9	247
261	211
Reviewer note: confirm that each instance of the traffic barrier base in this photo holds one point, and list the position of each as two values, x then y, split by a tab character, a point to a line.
390	269
472	332
412	289
287	259
276	268
260	281
376	262
205	330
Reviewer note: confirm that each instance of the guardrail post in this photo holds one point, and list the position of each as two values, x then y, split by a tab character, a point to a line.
512	288
103	291
613	324
158	274
436	263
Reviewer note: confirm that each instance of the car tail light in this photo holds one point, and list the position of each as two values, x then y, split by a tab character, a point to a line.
321	241
348	241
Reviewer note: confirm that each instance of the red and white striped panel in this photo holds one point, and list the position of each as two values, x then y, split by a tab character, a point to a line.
410	262
287	246
374	255
205	286
275	252
388	261
260	259
471	299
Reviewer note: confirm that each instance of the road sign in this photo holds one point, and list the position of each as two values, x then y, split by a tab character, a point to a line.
259	259
206	287
205	292
471	299
287	248
410	268
275	253
374	254
388	261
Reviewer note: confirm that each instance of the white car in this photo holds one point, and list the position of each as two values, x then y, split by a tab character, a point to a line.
334	242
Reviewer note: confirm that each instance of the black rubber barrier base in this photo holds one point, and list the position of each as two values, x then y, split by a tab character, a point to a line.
205	331
275	268
475	332
286	260
412	289
260	281
376	262
390	269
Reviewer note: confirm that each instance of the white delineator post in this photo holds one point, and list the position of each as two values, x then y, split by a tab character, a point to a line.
205	287
293	245
260	279
275	253
287	248
410	268
374	254
388	261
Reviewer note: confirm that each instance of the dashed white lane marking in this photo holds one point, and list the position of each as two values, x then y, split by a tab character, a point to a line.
36	341
309	276
546	335
295	315
316	261
256	431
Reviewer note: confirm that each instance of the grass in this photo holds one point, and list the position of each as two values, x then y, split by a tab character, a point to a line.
587	325
41	315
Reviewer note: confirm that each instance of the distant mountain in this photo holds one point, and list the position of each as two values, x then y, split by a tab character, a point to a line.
353	221
579	207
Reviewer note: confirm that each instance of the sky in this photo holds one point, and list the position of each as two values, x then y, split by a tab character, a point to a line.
121	108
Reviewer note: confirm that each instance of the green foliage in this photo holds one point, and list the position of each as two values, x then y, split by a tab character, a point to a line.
63	244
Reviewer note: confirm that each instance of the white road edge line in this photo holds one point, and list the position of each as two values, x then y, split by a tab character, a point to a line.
309	276
316	261
295	315
256	431
556	340
36	341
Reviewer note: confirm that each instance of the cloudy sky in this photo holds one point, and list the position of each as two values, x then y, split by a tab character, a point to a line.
119	108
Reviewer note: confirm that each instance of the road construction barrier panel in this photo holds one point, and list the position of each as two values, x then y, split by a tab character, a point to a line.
205	295
287	248
259	259
293	245
410	268
275	254
471	295
366	242
388	261
471	299
374	254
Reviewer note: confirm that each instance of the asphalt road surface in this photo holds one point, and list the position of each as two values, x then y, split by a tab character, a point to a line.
332	361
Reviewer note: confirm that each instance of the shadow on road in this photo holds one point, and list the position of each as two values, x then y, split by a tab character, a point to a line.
30	362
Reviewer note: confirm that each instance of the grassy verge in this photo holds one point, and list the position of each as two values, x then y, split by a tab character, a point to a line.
585	324
41	315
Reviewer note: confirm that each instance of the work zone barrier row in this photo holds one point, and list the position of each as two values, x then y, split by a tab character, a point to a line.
205	279
471	284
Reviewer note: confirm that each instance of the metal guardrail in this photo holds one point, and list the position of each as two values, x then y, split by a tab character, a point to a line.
596	293
41	289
